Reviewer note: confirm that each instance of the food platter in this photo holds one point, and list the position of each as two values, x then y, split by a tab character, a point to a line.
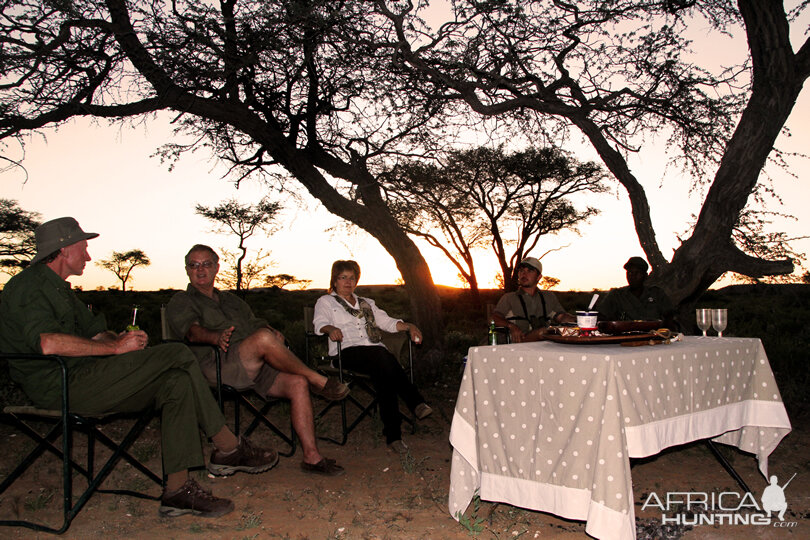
624	327
603	340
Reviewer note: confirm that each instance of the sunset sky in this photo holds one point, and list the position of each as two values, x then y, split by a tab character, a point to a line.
104	176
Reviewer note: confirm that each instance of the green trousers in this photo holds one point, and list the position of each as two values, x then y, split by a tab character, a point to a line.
166	378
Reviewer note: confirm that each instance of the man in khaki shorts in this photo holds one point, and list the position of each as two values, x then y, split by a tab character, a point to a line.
254	354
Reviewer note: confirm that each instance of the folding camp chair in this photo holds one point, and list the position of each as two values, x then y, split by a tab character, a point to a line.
64	422
241	397
394	342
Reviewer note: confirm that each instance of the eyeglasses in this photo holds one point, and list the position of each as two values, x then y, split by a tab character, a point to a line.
195	265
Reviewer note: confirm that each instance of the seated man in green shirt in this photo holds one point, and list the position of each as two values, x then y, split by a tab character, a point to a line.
109	372
528	312
637	301
253	353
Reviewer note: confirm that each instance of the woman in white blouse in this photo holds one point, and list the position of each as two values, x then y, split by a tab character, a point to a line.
356	323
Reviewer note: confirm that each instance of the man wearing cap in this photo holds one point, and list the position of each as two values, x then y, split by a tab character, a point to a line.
528	311
637	302
110	372
253	354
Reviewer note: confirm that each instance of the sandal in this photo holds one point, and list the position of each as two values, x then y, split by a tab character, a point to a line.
326	467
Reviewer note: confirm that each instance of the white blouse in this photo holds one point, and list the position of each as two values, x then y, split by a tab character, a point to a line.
330	312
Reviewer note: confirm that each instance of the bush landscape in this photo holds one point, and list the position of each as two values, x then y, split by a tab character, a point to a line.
774	313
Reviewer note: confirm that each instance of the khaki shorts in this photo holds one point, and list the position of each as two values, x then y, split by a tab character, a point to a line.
234	374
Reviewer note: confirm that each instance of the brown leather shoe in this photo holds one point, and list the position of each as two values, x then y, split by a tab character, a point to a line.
333	390
325	467
193	499
246	458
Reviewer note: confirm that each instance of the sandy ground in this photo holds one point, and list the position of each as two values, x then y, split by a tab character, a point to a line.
384	495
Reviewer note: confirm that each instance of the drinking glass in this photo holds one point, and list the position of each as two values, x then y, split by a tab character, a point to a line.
704	319
719	320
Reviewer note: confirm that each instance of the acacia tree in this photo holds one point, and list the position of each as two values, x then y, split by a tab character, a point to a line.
475	195
17	242
122	263
243	220
619	72
266	85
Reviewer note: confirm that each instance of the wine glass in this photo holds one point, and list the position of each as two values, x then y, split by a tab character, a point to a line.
704	319
719	320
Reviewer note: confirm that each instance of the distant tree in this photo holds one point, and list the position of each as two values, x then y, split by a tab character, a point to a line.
17	244
622	74
806	277
243	220
253	269
283	280
488	196
123	263
548	282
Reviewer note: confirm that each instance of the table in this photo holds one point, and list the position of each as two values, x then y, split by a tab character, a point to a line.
552	427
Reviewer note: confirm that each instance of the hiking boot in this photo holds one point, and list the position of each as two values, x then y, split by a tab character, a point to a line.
333	390
246	458
193	499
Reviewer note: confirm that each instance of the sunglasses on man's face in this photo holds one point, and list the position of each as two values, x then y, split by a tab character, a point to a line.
195	265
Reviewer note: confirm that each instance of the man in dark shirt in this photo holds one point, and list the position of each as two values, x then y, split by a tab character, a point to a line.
110	372
637	301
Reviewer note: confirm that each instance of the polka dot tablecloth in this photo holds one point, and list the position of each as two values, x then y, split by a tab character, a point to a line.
552	427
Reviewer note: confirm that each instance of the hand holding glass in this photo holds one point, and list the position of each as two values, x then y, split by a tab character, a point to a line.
704	319
134	325
719	320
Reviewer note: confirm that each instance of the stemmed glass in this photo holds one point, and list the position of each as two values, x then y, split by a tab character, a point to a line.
719	320
704	319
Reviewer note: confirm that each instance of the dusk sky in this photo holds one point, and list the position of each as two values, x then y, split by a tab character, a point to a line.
104	176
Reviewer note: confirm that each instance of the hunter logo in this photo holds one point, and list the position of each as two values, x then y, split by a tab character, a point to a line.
726	508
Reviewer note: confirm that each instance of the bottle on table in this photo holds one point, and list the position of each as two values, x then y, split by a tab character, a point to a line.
492	339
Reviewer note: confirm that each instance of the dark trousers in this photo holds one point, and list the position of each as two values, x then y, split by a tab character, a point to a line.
389	381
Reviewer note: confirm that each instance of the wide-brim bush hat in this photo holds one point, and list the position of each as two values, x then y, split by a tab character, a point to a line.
56	234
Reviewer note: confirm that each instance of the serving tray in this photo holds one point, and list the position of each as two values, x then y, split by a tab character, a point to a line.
597	340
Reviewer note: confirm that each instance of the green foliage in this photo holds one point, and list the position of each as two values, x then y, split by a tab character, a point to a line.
250	520
39	501
473	523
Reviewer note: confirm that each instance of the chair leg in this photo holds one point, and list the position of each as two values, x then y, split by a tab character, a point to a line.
346	427
259	417
69	466
727	466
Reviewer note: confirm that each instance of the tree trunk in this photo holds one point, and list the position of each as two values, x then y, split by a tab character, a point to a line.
778	76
